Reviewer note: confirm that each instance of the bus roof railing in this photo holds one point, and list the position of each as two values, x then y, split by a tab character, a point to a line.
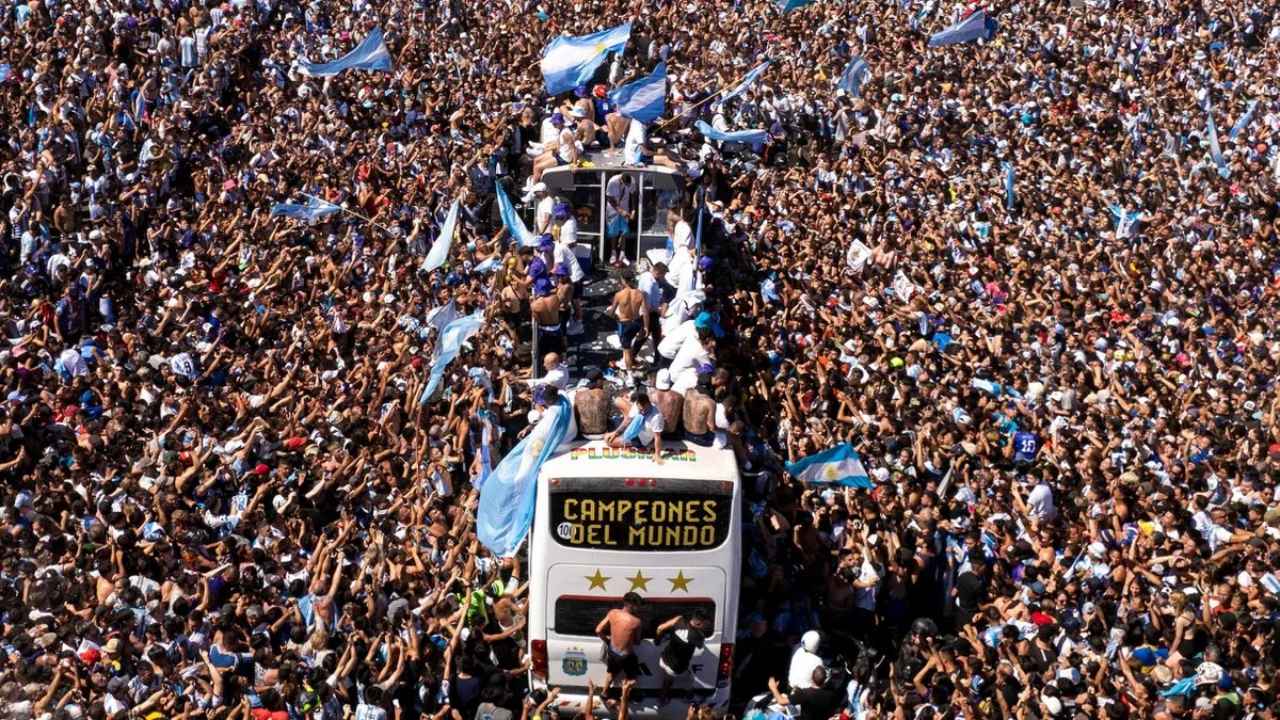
611	162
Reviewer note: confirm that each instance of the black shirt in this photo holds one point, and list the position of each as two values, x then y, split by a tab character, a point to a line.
816	703
682	641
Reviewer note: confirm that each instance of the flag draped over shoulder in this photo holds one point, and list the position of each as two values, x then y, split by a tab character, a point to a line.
314	209
747	81
838	466
512	222
450	344
855	73
1215	150
440	249
508	494
370	54
976	26
645	99
571	61
750	137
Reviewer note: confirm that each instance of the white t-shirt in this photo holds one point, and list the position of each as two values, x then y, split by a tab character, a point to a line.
634	144
674	340
653	424
564	255
619	193
803	663
1040	503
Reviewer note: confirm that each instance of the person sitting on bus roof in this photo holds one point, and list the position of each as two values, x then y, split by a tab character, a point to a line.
591	404
670	404
694	352
682	639
700	411
641	426
620	631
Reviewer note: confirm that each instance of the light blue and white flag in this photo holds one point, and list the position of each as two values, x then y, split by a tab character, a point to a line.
1215	150
747	81
370	54
512	222
440	317
977	26
838	466
855	73
750	137
994	389
440	249
571	61
488	266
508	495
789	5
645	99
449	346
1008	186
1243	123
5	71
314	209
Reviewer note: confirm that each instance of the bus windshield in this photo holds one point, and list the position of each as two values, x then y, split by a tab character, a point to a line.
640	514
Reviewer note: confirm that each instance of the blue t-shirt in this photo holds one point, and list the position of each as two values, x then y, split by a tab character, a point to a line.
1025	445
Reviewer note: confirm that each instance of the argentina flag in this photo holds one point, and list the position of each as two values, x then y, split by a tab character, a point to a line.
645	99
449	347
750	137
370	54
1215	150
509	493
571	61
440	250
838	466
314	209
512	222
977	26
747	81
855	73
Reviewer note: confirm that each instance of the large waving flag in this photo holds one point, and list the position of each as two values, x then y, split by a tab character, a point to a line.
440	249
855	73
314	209
645	99
449	346
508	494
440	317
747	81
370	54
751	137
838	466
512	222
977	26
571	61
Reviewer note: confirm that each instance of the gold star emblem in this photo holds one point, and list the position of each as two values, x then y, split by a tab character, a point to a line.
597	581
830	472
679	582
599	48
639	582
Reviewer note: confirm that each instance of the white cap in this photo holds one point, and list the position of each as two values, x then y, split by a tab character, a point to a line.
809	641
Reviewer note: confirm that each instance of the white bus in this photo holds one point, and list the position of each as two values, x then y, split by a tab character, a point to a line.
609	522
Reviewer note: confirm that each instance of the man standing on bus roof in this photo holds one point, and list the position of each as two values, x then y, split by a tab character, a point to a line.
632	313
620	630
641	426
683	638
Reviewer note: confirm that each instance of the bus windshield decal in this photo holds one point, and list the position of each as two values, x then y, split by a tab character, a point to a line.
607	453
639	520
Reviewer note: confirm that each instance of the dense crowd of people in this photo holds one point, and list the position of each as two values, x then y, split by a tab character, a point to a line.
1012	273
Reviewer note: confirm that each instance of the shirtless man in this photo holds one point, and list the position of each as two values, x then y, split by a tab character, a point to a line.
700	413
632	312
670	404
592	405
620	630
546	310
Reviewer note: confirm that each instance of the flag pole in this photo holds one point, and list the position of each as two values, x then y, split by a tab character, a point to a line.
704	101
